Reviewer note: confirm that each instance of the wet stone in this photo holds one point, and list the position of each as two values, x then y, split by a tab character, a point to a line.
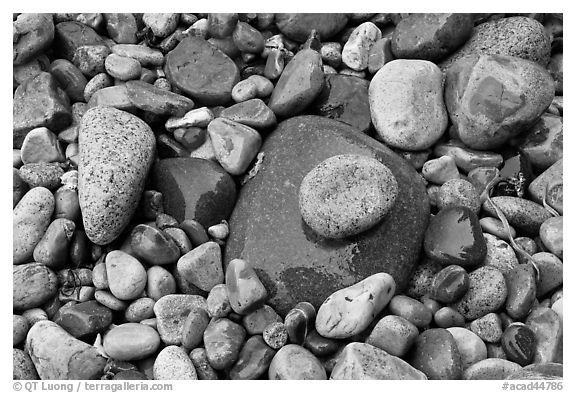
253	113
202	266
517	174
320	346
420	283
84	319
299	321
121	27
33	285
519	343
459	192
223	340
467	159
495	227
521	284
69	36
523	214
33	33
450	284
245	291
153	246
203	369
551	272
171	312
447	317
548	330
256	321
253	361
393	334
440	170
410	309
436	355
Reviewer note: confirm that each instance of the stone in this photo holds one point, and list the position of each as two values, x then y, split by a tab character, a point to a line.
131	341
252	113
495	227
320	346
20	327
298	26
393	334
152	99
447	317
486	294
30	69
112	96
30	219
299	321
293	362
203	369
488	328
357	48
410	309
247	38
171	312
140	309
19	187
70	78
221	25
41	145
23	368
201	71
459	192
345	98
107	299
550	269
500	254
293	263
300	83
152	245
275	335
116	153
406	104
350	310
223	340
122	68
245	290
71	35
471	347
194	188
420	282
126	275
39	102
33	33
436	354
430	36
256	321
521	284
380	54
159	282
173	363
491	369
162	25
454	237
539	371
440	170
450	284
54	247
468	159
202	266
253	361
331	53
556	69
549	185
84	319
121	27
33	285
519	343
551	234
517	36
199	117
483	122
346	195
194	327
42	174
218	304
147	57
523	214
90	59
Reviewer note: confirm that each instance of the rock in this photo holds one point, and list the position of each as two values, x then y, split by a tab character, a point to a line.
42	174
450	284
488	328
121	27
33	285
410	309
152	99
140	309
221	25
299	321
486	294
436	354
523	214
459	192
223	340
69	36
194	327
447	317
420	283
299	84
293	263
126	275
551	234
54	247
521	284
467	159
350	310
247	39
492	368
454	237
256	321
202	267
493	226
203	369
393	334
217	302
107	299
298	26
253	361
471	347
160	282
131	341
406	104
519	343
20	328
549	185
171	312
252	113
116	153
201	71
345	98
173	363
245	290
548	330
162	25
556	69
39	102
113	96
484	122
440	170
499	255
195	189
346	195
84	319
41	145
539	371
23	368
90	60
30	219
153	246
275	335
147	57
74	359
70	78
551	272
293	362
122	68
357	48
380	54
320	346
33	33
19	187
430	36
517	36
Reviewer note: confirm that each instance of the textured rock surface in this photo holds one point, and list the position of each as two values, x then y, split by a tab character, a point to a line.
298	26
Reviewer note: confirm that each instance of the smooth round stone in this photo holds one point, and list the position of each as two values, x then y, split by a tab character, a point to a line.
430	36
84	319
194	188
320	346
440	170
247	39
394	334
294	263
41	145
221	25
256	321
486	294
491	369
116	153
201	71
203	369
140	309
298	26
245	290
253	361
357	48
293	362
159	101
436	354
33	285
521	284
153	246
253	113
223	340
131	341
126	275
488	327
491	99
543	143
112	302
519	343
194	327
122	68
346	195
20	328
548	330
410	309
499	255
53	249
450	284
32	34
160	282
454	237
350	310
218	304
551	234
517	36
70	78
299	321
173	363
523	214
551	272
406	104
447	317
23	367
171	312
471	347
459	192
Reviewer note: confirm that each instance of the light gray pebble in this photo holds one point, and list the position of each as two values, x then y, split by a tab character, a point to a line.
488	328
499	254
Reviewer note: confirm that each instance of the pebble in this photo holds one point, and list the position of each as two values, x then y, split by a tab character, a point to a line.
107	299
42	174
275	335
122	68
331	53
23	368
420	283
519	343
173	363
551	234
447	317
320	346
203	369
488	327
155	100
218	304
223	340
298	26
293	362
140	309
99	277
523	214
539	371
543	143
486	294
19	187
495	227
393	334
440	170
411	310
299	321
131	341
121	27
450	284
159	282
471	347
221	25
357	48
245	291
66	204
256	321
406	104
194	327
219	231
459	192
126	275
499	255
350	310
247	39
90	59
53	249
147	57
252	113
84	319
548	330
113	96
253	361
162	25
33	285
41	145
436	354
199	117
171	312
549	185
70	78
180	238
33	33
521	284
454	237
34	315
20	327
190	137
153	246
491	369
380	54
467	159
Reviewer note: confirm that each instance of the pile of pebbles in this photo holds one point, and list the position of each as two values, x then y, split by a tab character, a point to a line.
162	162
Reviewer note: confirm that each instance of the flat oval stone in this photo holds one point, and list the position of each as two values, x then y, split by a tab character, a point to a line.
126	276
450	284
299	321
410	309
298	26
436	354
253	361
486	294
173	363
295	362
223	340
521	284
84	319
523	214
491	369
393	334
140	309
131	341
153	246
159	101
447	317
320	346
201	71
116	153
292	262
33	285
196	189
519	343
454	237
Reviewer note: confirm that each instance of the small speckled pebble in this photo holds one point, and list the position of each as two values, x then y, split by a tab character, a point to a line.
522	213
42	174
488	328
486	294
499	255
275	335
173	363
140	309
459	192
218	305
